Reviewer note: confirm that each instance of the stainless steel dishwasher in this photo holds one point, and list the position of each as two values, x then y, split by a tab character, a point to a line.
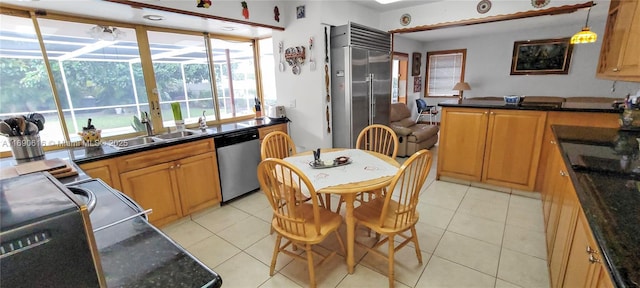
238	158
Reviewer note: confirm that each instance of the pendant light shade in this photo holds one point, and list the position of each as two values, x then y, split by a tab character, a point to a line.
586	35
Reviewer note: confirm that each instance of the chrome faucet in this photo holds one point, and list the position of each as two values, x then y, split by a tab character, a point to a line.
147	124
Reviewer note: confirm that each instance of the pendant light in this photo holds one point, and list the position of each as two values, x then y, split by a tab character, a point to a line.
586	35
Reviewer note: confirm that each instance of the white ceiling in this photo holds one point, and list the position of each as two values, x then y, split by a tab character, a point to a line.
122	13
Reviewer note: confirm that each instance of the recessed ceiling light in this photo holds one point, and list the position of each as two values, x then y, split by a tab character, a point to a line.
228	28
153	17
387	1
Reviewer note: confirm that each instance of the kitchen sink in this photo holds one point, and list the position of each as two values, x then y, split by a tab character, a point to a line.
132	142
175	135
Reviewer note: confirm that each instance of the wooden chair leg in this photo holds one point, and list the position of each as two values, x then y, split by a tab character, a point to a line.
312	273
276	249
414	236
391	260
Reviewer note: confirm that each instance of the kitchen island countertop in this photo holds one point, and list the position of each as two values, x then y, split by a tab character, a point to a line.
550	106
604	165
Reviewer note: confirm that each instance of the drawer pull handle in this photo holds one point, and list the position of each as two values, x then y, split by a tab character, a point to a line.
562	173
591	250
553	142
616	69
171	167
593	259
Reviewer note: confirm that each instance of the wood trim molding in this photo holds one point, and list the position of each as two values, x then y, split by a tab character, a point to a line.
138	5
566	9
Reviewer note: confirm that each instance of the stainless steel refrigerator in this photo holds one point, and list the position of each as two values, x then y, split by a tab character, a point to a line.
360	81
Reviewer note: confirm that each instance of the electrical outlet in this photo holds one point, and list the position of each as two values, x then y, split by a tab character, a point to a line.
292	103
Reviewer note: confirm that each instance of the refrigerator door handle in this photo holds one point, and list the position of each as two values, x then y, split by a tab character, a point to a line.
372	99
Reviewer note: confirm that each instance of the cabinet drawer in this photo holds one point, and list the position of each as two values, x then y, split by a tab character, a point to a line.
266	130
162	155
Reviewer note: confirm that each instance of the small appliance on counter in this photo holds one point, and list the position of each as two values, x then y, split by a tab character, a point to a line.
46	235
276	112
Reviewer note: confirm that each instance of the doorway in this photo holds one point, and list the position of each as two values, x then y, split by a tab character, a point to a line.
400	70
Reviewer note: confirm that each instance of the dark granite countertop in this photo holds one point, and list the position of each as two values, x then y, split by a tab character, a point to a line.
136	254
605	169
535	106
81	155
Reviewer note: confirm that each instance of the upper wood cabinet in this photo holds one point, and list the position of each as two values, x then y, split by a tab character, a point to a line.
620	52
499	147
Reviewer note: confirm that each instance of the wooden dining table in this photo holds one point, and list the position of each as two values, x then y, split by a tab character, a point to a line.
361	178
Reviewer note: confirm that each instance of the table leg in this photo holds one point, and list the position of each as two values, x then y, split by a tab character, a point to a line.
351	232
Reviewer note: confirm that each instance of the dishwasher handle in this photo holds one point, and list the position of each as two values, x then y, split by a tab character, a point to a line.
235	137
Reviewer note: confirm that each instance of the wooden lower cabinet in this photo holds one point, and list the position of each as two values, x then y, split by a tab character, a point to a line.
584	268
463	133
499	147
590	119
155	188
263	131
512	151
568	234
197	179
106	170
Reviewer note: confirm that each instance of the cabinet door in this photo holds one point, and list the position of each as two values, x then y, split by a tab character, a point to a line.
154	188
581	266
602	278
266	130
514	140
462	141
106	170
553	176
563	235
559	191
198	182
619	55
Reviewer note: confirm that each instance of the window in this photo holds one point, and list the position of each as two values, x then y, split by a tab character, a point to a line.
235	77
25	82
101	72
181	71
444	70
267	77
95	78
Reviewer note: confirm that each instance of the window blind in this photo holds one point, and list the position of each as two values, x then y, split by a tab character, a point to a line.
445	70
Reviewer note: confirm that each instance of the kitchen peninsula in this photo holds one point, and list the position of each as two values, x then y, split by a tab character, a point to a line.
490	142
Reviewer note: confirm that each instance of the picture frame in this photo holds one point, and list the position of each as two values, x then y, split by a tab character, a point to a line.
417	84
300	12
415	63
538	57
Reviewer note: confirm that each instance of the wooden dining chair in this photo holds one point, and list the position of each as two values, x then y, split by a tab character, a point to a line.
277	144
376	138
301	224
395	214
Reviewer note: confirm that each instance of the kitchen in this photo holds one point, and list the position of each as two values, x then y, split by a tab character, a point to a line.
304	113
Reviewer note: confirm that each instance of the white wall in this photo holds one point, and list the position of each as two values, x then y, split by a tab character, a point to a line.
409	46
488	66
308	127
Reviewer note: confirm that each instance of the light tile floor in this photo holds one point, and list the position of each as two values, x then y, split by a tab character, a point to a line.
469	237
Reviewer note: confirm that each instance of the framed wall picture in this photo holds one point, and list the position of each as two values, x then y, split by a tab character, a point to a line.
417	84
415	63
535	57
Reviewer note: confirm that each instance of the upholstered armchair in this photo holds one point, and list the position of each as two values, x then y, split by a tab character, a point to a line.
412	137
